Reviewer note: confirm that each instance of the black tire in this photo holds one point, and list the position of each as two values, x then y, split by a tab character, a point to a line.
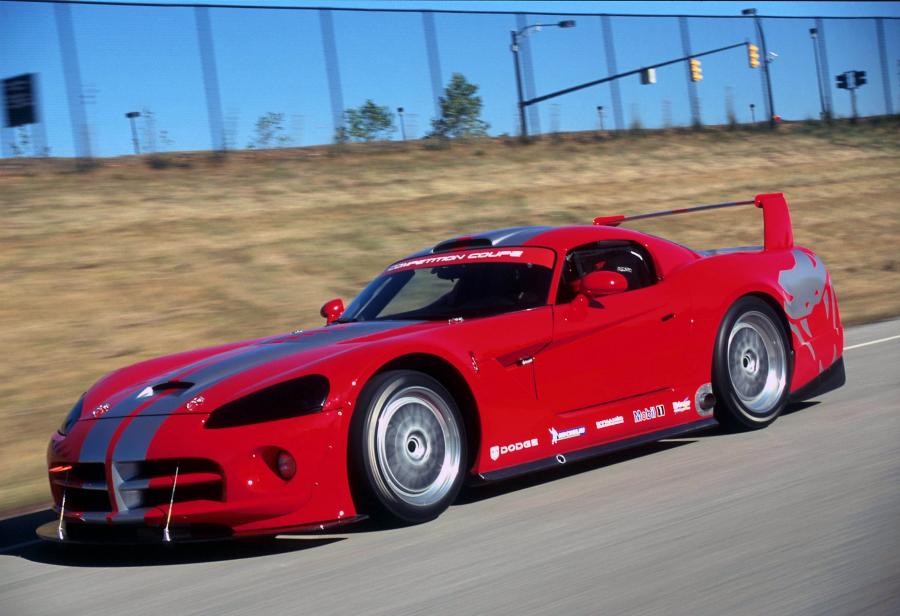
752	366
407	449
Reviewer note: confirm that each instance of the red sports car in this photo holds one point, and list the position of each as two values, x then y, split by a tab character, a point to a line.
482	357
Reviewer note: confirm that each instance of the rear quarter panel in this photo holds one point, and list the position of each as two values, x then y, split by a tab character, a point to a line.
794	281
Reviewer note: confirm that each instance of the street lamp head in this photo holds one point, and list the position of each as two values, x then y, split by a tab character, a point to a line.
568	23
748	12
399	109
813	32
133	114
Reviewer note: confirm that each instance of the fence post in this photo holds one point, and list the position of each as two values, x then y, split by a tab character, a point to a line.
885	73
826	72
72	73
434	61
210	78
332	68
612	69
692	86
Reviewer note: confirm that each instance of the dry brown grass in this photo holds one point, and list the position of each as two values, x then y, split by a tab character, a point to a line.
105	268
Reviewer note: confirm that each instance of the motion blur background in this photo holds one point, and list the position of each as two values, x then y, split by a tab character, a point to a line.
203	76
202	240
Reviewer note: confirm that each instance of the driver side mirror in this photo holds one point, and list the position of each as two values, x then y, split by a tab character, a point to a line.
601	283
332	310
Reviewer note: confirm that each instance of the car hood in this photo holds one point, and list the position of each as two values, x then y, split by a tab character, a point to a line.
201	380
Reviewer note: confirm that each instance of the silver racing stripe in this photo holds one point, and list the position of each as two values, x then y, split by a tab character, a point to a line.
132	446
138	435
96	443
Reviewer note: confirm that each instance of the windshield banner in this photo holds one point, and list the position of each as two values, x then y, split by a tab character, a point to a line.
535	256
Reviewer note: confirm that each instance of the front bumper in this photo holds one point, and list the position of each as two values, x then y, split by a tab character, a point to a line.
107	489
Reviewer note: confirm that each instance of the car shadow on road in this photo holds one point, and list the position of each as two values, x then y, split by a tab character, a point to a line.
476	492
17	539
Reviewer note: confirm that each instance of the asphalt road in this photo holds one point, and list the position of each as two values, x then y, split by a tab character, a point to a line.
801	518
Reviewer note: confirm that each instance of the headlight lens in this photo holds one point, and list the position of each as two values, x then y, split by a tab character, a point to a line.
288	399
72	417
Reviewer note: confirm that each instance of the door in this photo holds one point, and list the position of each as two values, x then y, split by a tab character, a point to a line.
614	348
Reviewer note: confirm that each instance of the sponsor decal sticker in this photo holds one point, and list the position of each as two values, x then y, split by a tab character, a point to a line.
612	421
502	450
651	412
680	406
101	410
566	434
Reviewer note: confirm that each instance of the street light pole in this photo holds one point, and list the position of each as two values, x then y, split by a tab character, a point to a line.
514	47
600	113
131	115
752	113
402	125
766	60
813	33
523	125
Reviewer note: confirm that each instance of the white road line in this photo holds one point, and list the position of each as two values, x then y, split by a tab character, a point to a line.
16	546
856	346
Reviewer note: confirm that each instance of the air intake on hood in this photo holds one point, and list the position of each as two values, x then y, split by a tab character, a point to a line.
172	385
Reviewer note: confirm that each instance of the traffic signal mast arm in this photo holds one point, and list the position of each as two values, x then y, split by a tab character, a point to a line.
636	71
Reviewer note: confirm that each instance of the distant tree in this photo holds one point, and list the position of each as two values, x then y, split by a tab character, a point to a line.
460	111
270	132
369	122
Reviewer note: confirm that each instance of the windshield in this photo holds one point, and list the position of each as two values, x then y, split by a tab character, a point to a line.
468	290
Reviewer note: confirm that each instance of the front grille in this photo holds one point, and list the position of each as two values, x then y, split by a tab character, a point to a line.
140	485
84	487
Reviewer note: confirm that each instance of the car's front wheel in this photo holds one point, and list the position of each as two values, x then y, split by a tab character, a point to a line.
407	447
752	366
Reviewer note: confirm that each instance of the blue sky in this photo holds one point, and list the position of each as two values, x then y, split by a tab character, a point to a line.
137	58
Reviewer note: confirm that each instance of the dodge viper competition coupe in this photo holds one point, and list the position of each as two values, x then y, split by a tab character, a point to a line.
478	359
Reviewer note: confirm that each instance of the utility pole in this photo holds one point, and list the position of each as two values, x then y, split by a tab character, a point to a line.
131	115
752	114
766	60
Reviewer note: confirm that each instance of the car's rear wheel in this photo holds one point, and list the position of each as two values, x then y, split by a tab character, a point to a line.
408	447
752	366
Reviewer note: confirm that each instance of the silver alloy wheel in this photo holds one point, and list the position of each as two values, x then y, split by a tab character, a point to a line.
417	446
757	362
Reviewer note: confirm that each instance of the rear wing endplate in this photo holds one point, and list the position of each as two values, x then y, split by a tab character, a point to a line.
779	232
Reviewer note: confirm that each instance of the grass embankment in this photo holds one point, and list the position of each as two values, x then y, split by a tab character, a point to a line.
106	268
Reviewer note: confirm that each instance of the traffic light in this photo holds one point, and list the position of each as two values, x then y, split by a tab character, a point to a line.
753	55
696	71
859	77
842	82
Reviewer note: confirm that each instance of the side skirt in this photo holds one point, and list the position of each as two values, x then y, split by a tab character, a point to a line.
590	452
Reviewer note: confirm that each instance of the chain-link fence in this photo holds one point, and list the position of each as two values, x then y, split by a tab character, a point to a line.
226	77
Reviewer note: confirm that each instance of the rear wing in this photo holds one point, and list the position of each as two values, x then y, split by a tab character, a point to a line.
779	232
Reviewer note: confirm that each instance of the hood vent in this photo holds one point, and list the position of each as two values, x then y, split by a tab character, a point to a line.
172	385
167	386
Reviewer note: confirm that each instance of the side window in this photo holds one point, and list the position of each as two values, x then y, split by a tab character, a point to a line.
627	258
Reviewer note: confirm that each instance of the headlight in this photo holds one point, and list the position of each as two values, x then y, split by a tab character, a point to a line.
72	417
289	399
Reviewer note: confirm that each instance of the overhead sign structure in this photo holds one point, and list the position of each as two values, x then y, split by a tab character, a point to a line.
19	100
